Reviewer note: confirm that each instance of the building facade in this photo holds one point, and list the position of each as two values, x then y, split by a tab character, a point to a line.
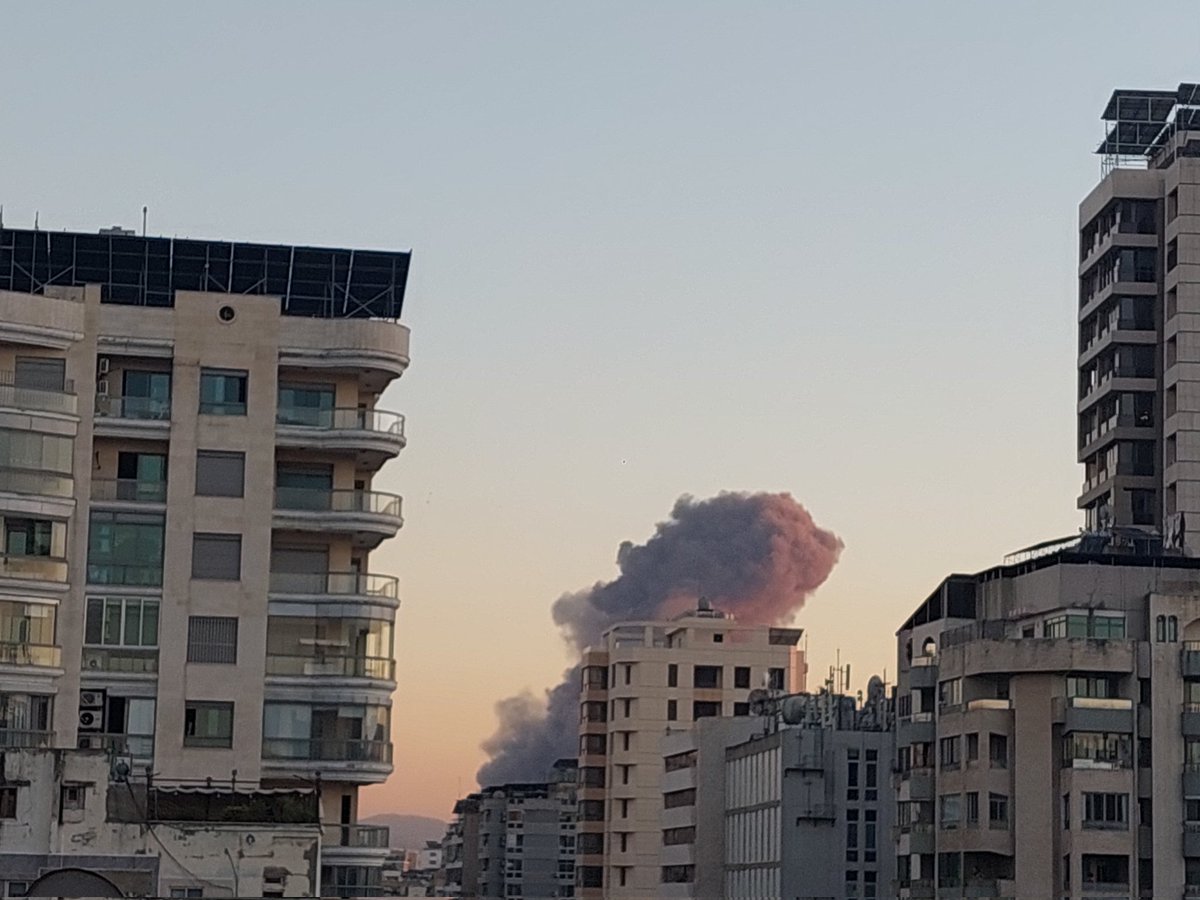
645	680
1048	739
1139	341
189	446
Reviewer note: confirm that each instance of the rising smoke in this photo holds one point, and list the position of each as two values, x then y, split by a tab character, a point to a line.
756	556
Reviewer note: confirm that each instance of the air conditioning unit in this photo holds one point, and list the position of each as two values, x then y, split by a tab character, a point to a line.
102	366
93	662
102	387
89	720
91	699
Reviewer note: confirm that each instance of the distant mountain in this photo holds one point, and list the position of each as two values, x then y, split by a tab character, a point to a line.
410	832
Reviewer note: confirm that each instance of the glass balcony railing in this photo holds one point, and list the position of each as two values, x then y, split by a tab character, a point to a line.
327	749
377	421
334	666
386	586
138	746
128	490
42	398
133	408
18	654
126	660
365	836
20	738
120	573
337	501
34	568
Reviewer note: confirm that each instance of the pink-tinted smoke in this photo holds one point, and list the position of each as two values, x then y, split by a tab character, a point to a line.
756	556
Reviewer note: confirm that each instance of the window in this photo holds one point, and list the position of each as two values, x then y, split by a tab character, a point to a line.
718	638
998	751
1115	749
40	373
628	670
1103	810
212	639
677	761
117	622
972	746
31	537
706	677
125	548
776	679
592	743
187	892
220	473
1105	869
997	811
591	776
17	889
208	724
972	809
223	392
8	802
948	750
673	799
741	676
672	710
591	810
951	811
1099	627
145	395
217	556
593	711
73	796
678	874
703	709
306	404
672	675
1098	686
682	835
595	677
741	709
950	692
1066	811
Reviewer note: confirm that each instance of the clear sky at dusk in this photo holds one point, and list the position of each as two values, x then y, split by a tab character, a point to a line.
658	249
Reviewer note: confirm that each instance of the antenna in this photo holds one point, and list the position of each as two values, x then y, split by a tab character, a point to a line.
35	221
144	210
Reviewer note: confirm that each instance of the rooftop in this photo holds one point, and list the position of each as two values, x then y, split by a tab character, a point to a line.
135	270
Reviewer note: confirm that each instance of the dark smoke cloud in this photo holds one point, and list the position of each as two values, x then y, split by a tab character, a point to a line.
756	556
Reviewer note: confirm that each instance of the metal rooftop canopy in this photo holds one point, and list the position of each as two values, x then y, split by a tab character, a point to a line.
1141	122
147	271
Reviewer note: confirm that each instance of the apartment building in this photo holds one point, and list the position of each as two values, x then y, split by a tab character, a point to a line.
514	840
645	680
189	444
1048	735
1139	337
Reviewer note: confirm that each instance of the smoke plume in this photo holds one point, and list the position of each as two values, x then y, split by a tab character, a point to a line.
756	556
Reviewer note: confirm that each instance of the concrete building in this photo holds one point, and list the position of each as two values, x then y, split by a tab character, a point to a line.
62	809
1048	739
645	680
794	802
189	445
1139	332
523	837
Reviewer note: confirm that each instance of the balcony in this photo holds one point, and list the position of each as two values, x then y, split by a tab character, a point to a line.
336	584
43	655
21	738
373	667
121	660
34	568
351	760
128	490
1113	714
131	416
365	836
1189	660
371	516
135	746
376	435
36	399
122	574
44	484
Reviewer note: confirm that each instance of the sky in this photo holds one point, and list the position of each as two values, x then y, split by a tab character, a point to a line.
658	249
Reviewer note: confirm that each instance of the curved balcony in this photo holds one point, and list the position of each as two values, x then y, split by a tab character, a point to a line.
337	585
347	844
48	656
21	398
375	350
359	761
323	667
369	516
375	435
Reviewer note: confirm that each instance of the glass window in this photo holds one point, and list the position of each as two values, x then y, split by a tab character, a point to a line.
306	404
1096	686
973	808
672	675
207	724
30	537
40	373
121	622
223	392
997	810
125	548
141	476
217	556
146	395
951	810
741	676
703	709
973	746
220	473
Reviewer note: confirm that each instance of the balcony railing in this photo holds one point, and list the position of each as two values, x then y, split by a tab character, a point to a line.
17	654
377	421
138	746
33	568
24	738
128	490
26	481
133	408
42	399
363	836
327	749
337	501
128	575
350	891
123	660
333	666
335	583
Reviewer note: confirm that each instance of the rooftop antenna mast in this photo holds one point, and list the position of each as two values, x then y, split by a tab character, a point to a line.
144	210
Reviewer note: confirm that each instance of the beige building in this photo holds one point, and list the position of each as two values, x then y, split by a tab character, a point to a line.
1139	319
645	680
189	444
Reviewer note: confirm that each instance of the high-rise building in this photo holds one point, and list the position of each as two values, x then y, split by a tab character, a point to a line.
1139	333
189	445
644	680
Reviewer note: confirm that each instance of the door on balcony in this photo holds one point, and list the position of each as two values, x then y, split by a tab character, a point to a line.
306	404
304	487
146	395
141	476
337	730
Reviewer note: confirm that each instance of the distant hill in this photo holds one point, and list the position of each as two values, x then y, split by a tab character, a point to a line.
410	832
